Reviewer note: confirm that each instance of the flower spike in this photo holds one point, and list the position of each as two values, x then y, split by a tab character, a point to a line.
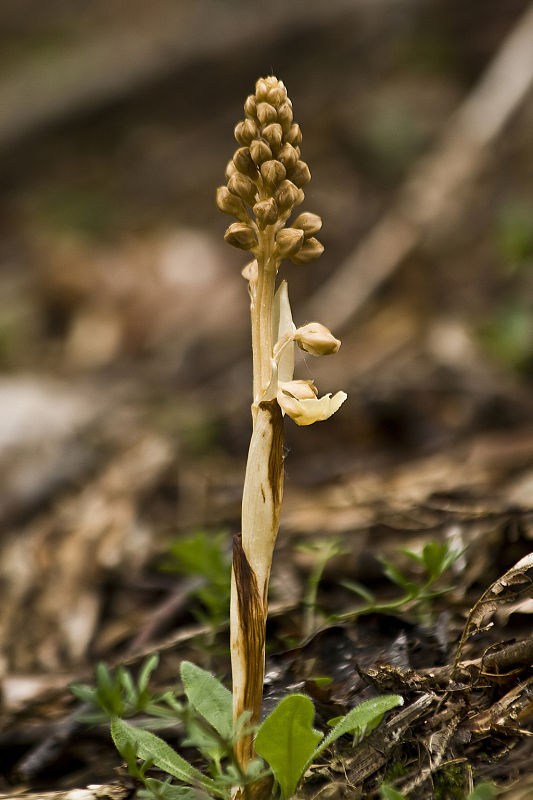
265	180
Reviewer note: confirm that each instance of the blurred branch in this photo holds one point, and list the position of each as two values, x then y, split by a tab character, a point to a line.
434	185
85	75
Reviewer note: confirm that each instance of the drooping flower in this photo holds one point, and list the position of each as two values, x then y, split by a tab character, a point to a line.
303	406
298	398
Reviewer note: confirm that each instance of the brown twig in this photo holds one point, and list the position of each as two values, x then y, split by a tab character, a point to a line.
87	74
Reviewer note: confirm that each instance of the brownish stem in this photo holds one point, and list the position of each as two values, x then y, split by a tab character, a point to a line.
252	558
263	489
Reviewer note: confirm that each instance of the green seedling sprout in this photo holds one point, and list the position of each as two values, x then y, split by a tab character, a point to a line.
321	552
265	181
434	559
483	791
202	554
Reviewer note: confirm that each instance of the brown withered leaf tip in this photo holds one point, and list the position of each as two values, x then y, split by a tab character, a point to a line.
251	613
275	459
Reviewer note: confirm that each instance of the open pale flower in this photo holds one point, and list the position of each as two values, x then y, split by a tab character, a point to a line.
298	400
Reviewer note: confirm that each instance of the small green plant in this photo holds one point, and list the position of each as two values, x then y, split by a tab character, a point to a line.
288	742
514	235
483	791
117	694
204	554
285	742
434	559
321	552
508	335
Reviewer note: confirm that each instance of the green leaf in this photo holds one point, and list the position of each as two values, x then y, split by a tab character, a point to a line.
359	589
414	556
169	792
204	739
103	678
125	683
146	671
209	697
363	718
202	553
483	791
83	692
322	680
392	572
149	747
388	793
286	740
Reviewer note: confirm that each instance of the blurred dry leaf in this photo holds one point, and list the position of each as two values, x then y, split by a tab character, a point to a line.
169	289
40	428
516	582
52	571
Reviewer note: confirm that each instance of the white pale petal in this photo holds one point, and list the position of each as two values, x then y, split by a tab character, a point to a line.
282	324
272	388
301	390
305	412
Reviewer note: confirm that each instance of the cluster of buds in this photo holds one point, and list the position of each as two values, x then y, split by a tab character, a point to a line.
266	176
265	180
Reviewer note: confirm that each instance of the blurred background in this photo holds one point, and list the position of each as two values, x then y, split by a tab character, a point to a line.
124	342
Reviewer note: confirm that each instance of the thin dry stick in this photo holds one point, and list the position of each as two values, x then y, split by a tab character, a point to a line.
265	180
435	183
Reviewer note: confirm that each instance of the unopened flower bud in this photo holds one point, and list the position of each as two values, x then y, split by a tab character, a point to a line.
240	235
250	106
242	186
266	113
288	156
273	134
316	339
286	195
300	174
229	203
300	197
245	131
285	115
289	241
266	212
277	95
243	161
307	222
260	151
273	173
261	89
310	250
294	135
230	169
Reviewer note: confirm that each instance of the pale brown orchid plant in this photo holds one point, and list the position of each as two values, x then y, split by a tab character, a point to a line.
265	181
